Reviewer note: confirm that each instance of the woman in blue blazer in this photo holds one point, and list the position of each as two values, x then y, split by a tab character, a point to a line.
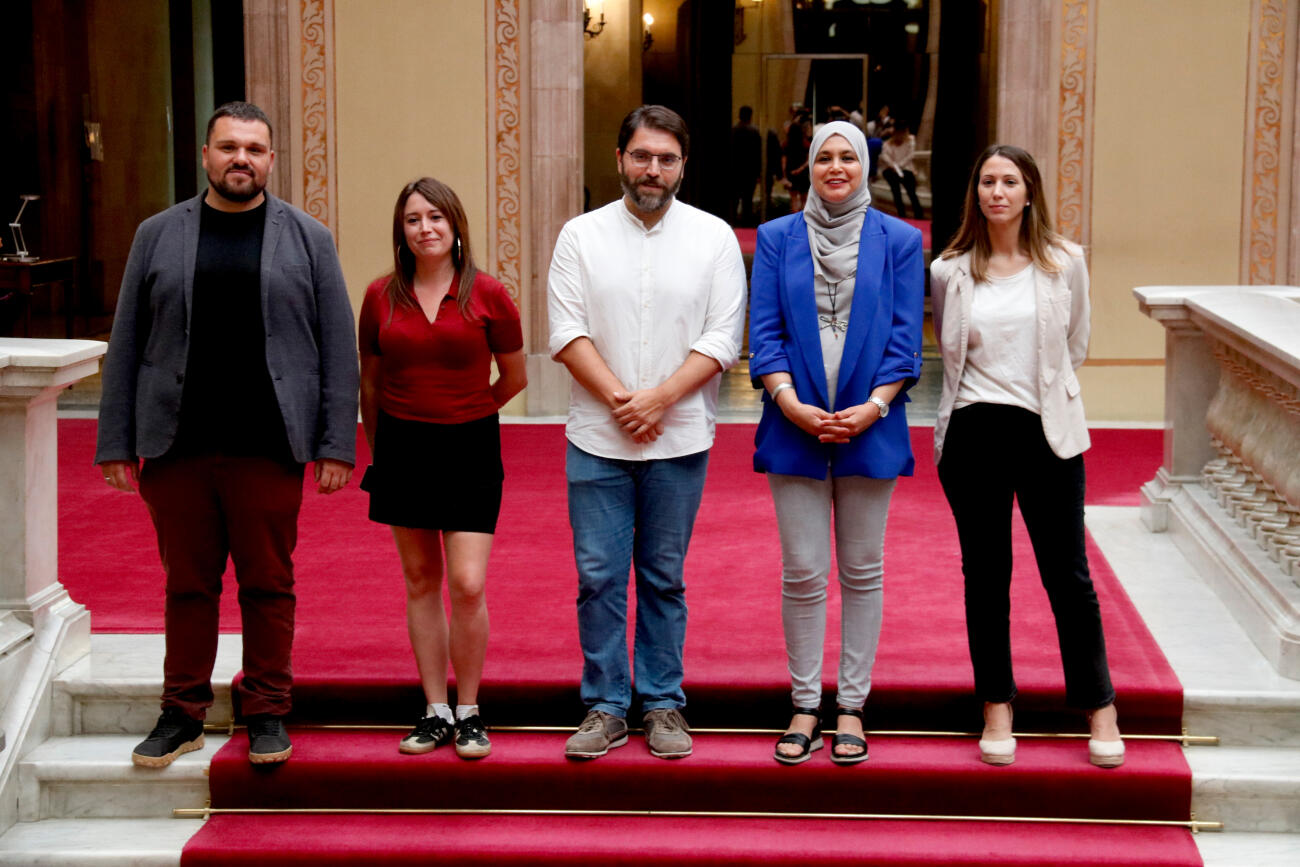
836	310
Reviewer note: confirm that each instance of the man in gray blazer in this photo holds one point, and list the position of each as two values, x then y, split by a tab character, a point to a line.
232	364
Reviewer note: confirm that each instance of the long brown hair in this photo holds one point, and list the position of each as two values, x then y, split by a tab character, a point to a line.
1037	237
401	284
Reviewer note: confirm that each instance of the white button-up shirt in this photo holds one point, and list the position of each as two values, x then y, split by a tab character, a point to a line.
646	298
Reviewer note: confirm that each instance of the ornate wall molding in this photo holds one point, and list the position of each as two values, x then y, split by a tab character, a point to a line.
1074	121
1264	142
311	55
289	72
505	145
316	113
1268	198
1046	60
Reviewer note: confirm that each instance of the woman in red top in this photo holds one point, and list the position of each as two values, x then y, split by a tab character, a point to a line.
428	334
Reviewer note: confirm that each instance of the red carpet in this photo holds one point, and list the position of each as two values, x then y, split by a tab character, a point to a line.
259	841
528	771
353	664
351	641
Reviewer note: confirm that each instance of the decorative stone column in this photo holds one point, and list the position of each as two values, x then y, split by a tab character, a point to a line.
1229	488
42	630
555	72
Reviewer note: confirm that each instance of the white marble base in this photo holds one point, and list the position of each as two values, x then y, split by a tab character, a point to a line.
1264	599
1252	782
1247	788
97	842
1230	689
92	776
115	689
1249	850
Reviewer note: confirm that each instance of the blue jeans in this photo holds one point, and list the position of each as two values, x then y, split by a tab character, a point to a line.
623	514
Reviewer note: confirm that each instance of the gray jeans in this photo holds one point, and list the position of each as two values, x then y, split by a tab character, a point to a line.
803	515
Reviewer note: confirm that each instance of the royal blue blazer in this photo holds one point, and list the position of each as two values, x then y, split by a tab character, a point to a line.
882	345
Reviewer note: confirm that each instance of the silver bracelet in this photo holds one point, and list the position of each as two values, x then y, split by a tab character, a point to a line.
780	387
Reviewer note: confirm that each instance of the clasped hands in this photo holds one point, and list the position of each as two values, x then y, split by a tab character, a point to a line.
640	413
830	427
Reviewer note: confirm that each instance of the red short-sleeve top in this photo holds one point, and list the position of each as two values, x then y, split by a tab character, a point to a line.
439	371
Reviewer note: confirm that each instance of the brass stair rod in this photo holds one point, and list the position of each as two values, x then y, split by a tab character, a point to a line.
1185	739
204	812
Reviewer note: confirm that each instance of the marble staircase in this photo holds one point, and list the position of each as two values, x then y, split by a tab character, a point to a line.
81	801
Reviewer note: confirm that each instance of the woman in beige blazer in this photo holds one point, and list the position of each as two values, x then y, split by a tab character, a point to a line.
1010	301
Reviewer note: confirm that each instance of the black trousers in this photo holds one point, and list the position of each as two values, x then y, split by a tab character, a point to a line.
992	454
909	181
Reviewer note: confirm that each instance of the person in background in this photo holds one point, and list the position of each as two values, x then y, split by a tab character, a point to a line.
836	312
746	166
795	159
896	166
1010	301
429	332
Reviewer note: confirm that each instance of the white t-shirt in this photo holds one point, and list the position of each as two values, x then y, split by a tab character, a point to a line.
1002	344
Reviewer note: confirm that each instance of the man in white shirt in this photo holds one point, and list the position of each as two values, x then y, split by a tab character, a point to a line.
647	306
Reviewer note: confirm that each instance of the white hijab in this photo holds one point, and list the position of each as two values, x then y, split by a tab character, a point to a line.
834	229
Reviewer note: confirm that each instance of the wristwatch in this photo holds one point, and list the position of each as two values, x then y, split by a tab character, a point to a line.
880	405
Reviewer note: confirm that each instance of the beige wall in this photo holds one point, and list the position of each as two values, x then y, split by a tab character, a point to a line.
1167	177
411	79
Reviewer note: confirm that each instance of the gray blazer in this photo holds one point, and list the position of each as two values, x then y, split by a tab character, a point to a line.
311	350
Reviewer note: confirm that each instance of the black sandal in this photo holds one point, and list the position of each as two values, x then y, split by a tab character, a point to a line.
848	740
806	744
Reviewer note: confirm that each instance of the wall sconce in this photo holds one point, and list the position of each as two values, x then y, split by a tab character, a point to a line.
739	26
20	253
587	28
647	38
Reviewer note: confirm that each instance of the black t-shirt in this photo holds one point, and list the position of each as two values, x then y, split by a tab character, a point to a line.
228	404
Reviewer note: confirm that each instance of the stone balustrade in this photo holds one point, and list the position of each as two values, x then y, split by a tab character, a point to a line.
1229	484
42	629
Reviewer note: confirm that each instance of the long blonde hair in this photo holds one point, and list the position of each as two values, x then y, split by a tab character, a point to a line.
1037	237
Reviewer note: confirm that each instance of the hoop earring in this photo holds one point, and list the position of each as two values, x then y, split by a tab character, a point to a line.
460	255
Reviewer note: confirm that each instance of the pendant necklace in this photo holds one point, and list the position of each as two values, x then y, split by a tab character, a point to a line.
833	322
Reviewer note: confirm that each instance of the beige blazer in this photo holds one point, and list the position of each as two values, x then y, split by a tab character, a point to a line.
1063	327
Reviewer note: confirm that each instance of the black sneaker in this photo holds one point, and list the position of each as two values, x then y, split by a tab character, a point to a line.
429	733
175	733
471	738
268	742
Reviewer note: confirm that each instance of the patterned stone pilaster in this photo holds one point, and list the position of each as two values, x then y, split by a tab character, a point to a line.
507	197
1074	122
1270	116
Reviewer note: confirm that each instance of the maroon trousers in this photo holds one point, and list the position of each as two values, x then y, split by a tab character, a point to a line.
206	509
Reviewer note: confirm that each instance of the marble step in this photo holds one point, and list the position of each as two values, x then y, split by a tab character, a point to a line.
1249	849
1245	717
92	776
97	842
115	689
1247	788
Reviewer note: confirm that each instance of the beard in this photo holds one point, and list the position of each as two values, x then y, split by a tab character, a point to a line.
237	194
648	199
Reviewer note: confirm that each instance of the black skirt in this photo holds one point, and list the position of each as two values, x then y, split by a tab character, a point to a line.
436	476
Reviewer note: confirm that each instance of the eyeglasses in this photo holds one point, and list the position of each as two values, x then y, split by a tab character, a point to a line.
642	159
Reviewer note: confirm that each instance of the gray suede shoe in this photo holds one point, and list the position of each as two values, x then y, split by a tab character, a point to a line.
667	734
599	733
